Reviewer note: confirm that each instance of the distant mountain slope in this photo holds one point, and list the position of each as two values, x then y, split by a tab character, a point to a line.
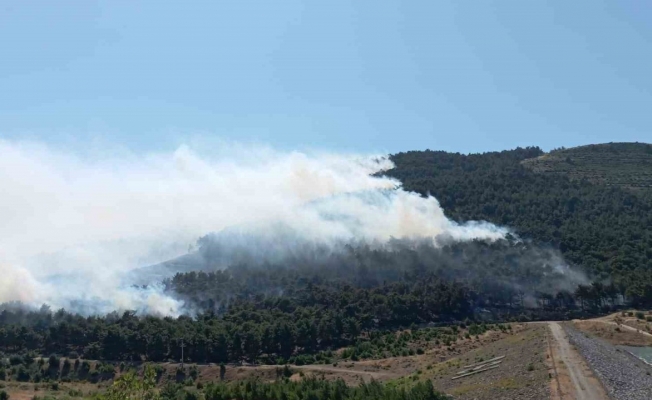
627	165
606	229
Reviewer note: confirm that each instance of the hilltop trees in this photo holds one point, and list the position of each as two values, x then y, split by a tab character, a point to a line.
603	229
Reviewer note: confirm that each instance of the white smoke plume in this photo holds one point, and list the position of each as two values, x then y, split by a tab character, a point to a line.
71	227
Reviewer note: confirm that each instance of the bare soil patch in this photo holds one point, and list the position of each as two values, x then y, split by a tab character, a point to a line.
522	374
612	333
386	369
27	390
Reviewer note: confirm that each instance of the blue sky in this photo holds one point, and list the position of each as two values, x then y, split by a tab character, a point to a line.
358	76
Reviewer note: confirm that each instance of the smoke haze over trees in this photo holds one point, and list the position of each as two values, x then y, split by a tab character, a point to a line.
346	259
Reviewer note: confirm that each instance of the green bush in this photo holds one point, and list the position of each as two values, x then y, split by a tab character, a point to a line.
169	391
190	395
53	362
85	366
3	395
15	360
194	372
22	375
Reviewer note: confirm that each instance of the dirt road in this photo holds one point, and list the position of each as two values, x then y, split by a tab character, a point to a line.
629	328
574	379
370	374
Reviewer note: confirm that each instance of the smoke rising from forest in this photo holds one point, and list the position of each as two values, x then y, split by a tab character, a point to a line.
75	227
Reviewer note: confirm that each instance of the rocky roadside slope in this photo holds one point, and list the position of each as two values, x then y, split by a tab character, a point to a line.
624	376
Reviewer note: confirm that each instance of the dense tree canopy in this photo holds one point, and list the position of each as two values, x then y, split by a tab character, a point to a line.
604	229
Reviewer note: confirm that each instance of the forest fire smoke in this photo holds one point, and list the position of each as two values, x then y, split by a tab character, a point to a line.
72	228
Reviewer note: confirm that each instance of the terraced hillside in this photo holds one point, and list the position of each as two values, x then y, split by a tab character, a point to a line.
627	165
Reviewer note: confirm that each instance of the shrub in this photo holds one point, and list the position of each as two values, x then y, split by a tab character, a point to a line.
22	375
15	360
53	362
640	315
191	396
73	355
530	367
169	391
194	372
106	369
85	366
3	395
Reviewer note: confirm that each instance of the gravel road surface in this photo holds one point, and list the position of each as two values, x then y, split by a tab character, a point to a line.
624	376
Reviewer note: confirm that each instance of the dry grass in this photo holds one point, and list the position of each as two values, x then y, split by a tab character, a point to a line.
613	334
513	379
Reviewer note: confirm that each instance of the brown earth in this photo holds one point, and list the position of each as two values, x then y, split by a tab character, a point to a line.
522	374
27	391
381	370
613	333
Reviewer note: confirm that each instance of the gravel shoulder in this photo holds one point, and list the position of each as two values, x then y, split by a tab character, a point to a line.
624	376
573	378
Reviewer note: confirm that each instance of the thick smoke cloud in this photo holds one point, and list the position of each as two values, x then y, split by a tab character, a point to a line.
74	226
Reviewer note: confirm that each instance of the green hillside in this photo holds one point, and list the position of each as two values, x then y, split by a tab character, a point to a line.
627	165
596	224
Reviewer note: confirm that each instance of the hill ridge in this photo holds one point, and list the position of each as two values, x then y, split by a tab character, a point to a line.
622	164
